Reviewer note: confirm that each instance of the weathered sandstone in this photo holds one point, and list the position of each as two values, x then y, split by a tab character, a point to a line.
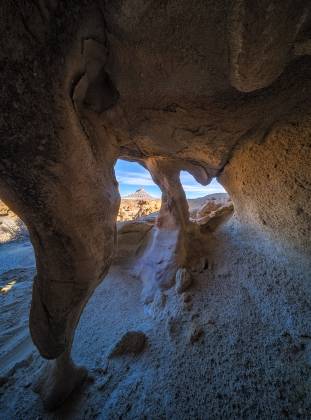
217	88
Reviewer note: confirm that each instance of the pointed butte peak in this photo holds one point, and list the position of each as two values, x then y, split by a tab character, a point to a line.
139	194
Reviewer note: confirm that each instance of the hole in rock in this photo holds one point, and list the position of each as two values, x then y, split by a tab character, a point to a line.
203	200
16	250
140	196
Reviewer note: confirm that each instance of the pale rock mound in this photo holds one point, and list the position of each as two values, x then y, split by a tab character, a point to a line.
202	206
211	220
11	226
131	237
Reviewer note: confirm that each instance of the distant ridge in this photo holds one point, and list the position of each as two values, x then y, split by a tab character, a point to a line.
199	201
140	194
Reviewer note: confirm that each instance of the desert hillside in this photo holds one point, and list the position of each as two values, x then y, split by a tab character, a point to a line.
132	207
11	226
138	204
156	308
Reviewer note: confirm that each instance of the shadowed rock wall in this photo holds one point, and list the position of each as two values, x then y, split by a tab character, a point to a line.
270	181
221	88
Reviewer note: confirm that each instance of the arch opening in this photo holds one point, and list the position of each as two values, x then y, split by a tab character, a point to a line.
140	196
16	250
206	202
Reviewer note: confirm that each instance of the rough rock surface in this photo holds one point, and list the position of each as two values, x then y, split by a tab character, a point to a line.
11	226
215	218
278	198
183	280
216	88
132	237
132	342
199	207
132	209
212	205
252	358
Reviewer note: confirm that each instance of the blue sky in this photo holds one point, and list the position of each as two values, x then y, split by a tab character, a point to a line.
132	176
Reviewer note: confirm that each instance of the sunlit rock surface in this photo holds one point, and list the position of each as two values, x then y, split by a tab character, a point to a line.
11	226
219	89
137	205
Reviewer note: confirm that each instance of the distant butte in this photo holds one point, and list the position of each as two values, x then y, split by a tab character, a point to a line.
140	194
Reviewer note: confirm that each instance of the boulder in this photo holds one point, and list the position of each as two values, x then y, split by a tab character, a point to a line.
132	342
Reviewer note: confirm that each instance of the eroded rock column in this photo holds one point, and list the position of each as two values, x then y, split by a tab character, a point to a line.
173	236
56	172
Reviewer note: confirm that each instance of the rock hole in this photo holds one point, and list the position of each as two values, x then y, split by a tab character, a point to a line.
15	247
140	196
206	202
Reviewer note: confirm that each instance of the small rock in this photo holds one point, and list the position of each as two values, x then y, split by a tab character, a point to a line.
160	299
3	380
100	370
201	265
188	306
196	334
172	326
186	297
102	366
183	280
131	342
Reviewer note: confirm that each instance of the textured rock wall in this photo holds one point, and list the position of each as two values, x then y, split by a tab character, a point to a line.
218	88
53	175
270	181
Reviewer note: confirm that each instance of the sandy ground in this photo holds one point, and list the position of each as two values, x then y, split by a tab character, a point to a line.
18	254
240	348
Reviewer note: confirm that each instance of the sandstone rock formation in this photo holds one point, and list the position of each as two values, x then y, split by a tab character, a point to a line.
132	236
215	88
137	205
11	226
202	206
132	342
135	236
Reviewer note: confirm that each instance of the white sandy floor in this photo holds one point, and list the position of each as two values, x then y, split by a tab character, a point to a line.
252	359
16	255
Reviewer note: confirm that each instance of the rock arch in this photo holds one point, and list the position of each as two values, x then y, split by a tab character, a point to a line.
224	92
